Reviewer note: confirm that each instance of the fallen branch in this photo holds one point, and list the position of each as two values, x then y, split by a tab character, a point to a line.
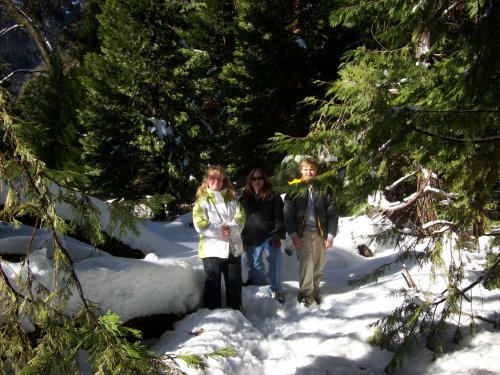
474	316
409	281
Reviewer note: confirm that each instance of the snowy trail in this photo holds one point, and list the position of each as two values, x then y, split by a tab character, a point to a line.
332	338
291	339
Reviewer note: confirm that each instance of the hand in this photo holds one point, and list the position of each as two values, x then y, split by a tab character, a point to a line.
226	231
328	244
297	242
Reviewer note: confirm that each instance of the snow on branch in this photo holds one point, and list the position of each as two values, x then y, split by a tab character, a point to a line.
17	71
436	222
407	201
397	182
8	29
377	199
31	27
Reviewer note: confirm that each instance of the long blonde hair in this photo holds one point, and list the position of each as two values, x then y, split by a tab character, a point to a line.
226	183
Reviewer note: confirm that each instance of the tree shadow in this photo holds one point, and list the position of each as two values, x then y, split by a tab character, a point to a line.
333	365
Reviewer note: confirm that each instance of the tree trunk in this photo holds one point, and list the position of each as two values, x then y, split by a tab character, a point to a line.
425	210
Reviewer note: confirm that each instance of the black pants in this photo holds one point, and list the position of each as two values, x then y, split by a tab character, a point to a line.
214	269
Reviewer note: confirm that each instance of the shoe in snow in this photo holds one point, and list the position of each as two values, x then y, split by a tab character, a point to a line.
278	296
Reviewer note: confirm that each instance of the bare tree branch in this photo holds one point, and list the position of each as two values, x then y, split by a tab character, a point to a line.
8	29
484	276
411	200
8	76
458	140
31	27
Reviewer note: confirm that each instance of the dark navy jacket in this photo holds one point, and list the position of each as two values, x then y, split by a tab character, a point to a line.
264	218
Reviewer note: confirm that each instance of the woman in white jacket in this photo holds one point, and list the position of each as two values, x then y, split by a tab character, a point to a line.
219	218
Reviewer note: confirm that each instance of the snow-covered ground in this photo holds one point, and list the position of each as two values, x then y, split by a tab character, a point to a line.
268	337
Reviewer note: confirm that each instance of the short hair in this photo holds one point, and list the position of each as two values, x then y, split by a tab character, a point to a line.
309	162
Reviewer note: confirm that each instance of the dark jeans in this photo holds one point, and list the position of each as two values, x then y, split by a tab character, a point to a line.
214	269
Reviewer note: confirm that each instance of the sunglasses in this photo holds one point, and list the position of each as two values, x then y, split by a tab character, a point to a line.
258	178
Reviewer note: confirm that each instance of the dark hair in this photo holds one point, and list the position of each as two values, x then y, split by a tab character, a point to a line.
267	189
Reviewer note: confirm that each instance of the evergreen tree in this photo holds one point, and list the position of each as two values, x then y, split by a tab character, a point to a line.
48	97
84	38
38	332
141	109
212	30
281	47
415	115
49	100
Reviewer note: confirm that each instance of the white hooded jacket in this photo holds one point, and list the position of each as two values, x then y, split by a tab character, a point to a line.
211	212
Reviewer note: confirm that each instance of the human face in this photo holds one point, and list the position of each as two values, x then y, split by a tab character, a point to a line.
257	181
308	172
214	181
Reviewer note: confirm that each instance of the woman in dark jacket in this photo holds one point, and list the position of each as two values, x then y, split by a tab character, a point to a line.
263	231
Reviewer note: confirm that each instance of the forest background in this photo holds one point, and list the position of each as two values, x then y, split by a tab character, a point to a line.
130	101
145	95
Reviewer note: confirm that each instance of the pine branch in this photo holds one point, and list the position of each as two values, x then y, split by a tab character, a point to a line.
72	273
196	361
61	335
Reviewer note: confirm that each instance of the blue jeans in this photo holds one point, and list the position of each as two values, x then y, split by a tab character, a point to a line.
257	275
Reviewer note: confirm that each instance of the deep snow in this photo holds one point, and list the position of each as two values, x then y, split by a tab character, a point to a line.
268	337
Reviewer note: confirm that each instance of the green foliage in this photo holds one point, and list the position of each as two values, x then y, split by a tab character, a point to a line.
418	95
117	353
142	102
212	29
492	281
399	331
39	332
281	46
47	102
197	362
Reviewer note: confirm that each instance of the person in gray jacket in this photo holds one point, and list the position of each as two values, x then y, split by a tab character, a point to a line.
311	221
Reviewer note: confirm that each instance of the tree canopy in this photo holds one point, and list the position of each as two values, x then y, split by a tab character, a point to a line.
415	115
398	100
